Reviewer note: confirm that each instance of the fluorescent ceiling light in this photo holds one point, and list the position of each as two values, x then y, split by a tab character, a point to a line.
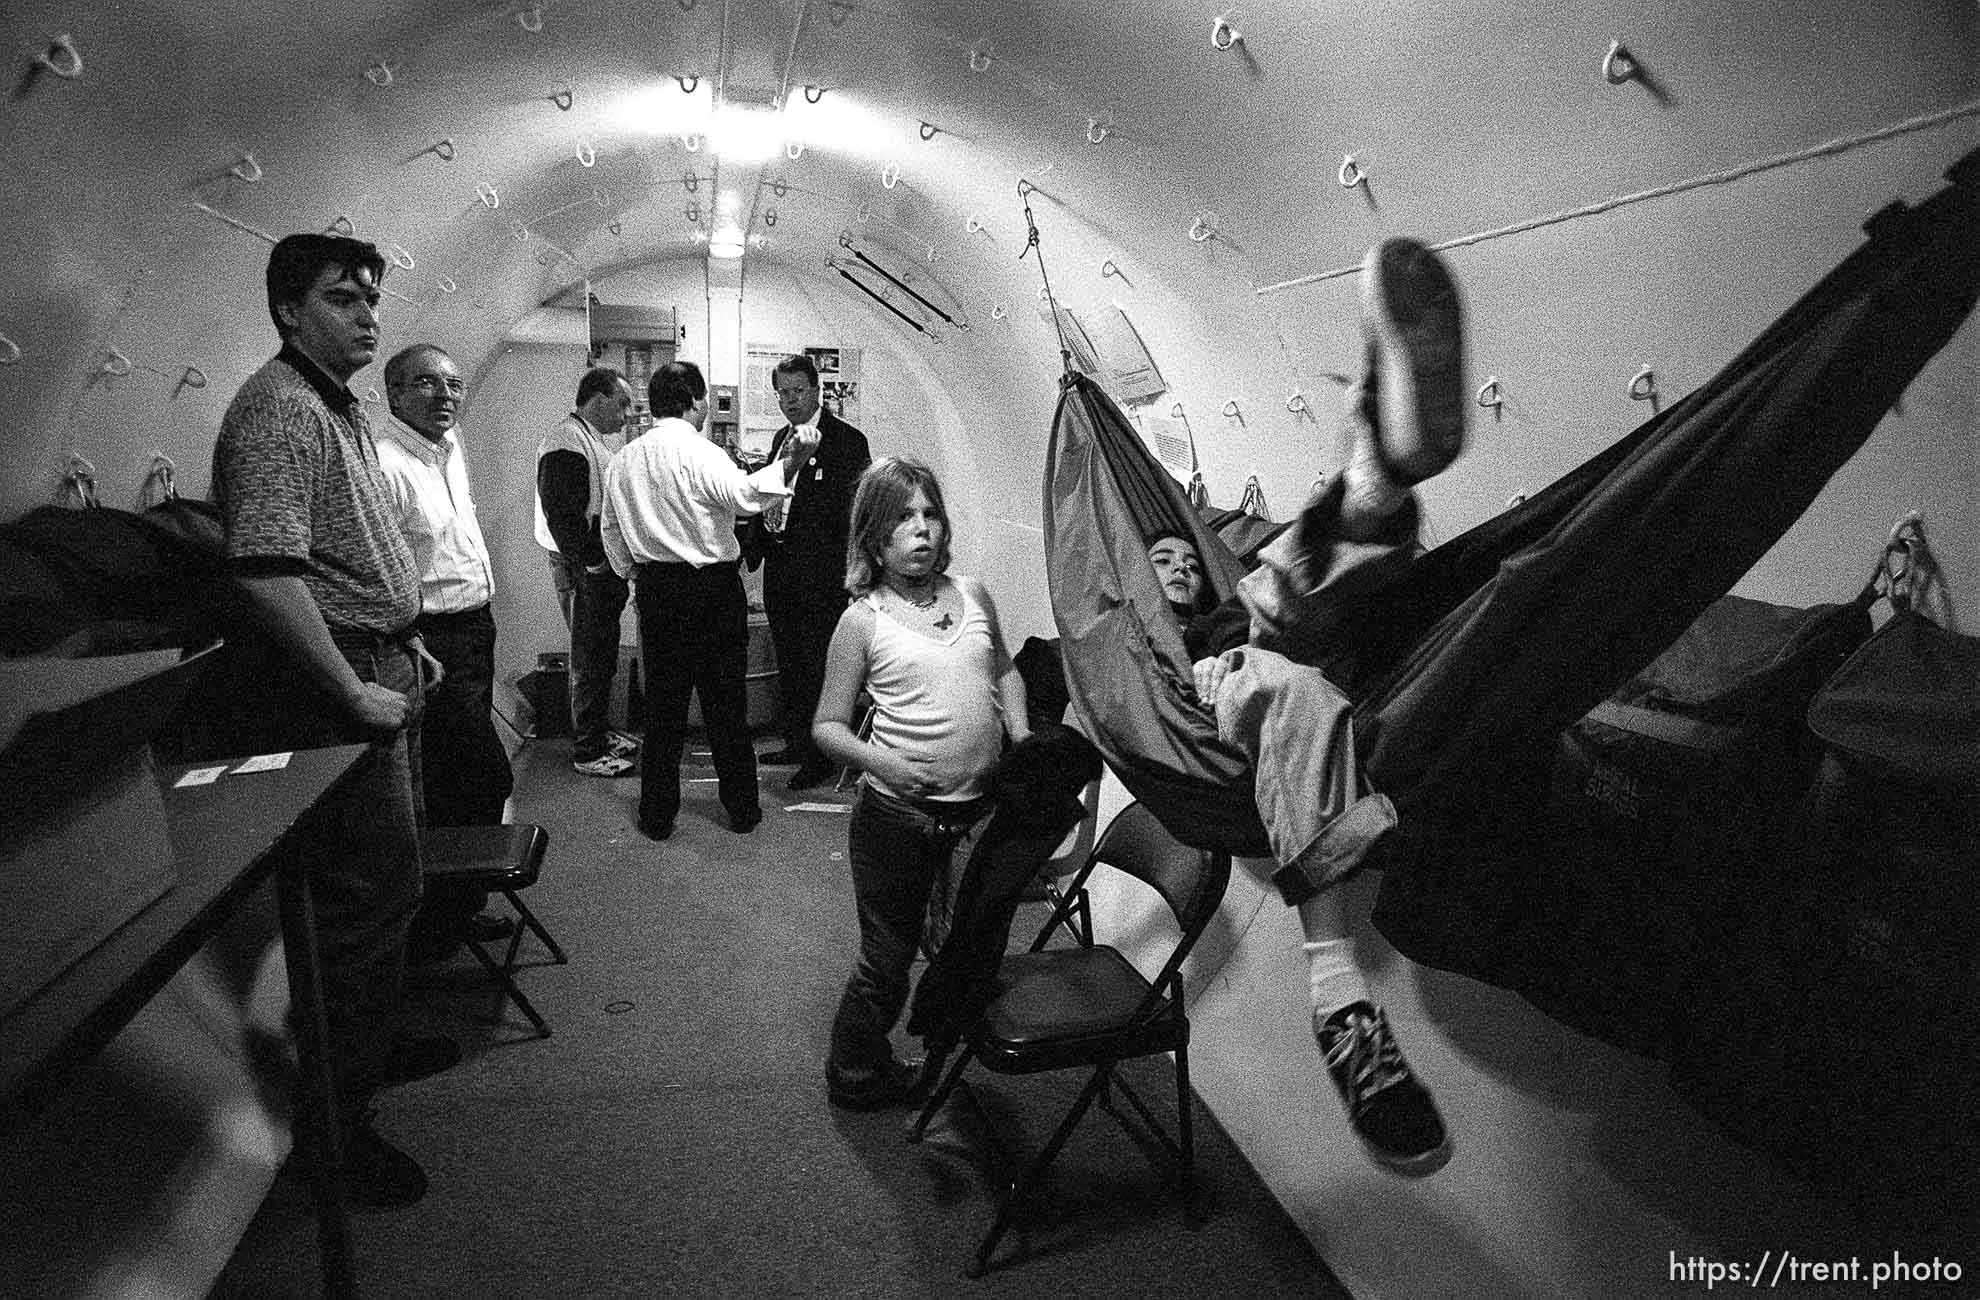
742	133
725	243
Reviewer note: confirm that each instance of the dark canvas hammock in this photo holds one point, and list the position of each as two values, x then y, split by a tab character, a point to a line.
1508	633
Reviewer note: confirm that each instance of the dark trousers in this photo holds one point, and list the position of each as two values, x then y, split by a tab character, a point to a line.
359	850
465	777
897	850
801	623
464	768
693	641
596	604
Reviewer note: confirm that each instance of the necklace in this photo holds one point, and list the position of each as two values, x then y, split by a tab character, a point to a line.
918	604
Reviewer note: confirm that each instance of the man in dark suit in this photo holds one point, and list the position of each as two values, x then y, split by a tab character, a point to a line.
803	550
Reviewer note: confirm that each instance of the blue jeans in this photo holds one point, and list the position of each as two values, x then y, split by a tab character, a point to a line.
897	849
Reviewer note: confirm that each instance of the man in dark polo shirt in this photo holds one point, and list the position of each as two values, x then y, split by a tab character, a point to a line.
332	581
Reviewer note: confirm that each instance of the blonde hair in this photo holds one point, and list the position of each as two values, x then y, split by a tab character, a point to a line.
883	493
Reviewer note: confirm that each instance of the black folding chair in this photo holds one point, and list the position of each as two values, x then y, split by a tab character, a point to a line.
488	860
1087	1007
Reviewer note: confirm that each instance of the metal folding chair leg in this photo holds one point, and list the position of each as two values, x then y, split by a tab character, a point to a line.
535	926
1021	1186
506	986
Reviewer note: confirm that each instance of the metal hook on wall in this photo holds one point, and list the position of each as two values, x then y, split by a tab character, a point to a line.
562	99
114	364
61	57
1643	387
1352	173
1097	129
400	257
690	182
980	60
998	311
586	155
1222	34
929	130
530	19
81	479
890	176
444	147
1492	397
813	93
247	169
1203	227
1297	403
10	351
691	143
688	84
490	199
341	226
379	73
770	219
793	149
193	377
1175	410
1619	65
447	284
1232	411
165	473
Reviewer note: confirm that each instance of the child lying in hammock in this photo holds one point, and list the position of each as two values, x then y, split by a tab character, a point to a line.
1403	422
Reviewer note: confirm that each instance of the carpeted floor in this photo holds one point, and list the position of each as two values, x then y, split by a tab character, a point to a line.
673	1137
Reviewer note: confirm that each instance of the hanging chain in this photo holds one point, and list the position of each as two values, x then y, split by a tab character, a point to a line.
1024	189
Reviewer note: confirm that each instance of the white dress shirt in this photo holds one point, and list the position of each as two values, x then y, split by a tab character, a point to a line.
428	484
672	496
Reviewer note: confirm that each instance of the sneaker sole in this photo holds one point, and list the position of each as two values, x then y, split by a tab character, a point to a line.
1412	315
1417	1166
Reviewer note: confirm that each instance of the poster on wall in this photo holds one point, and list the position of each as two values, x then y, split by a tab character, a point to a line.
1131	374
838	390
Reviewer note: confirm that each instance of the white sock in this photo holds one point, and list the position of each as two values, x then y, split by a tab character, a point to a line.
1370	496
1333	977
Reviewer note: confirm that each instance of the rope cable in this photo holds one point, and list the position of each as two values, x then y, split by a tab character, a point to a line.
1031	242
1838	145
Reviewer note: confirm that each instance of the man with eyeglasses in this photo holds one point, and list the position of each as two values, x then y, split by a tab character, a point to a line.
464	769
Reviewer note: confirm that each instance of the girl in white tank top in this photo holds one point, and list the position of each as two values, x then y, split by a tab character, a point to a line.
925	645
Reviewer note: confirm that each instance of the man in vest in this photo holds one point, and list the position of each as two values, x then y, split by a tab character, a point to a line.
570	492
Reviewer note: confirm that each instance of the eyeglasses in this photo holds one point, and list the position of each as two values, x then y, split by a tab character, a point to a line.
434	385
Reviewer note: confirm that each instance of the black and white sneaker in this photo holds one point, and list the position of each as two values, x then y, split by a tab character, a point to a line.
1413	322
1391	1112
